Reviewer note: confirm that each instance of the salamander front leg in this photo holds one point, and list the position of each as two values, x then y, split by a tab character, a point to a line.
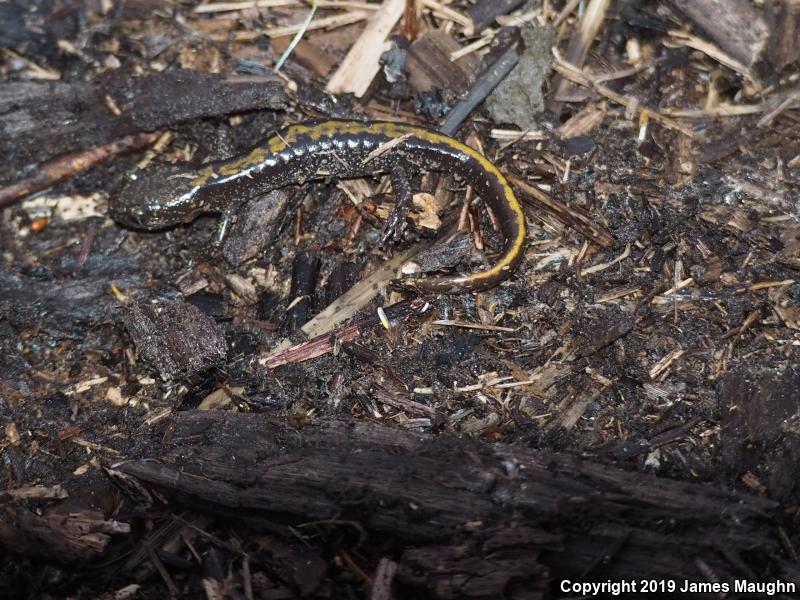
224	223
396	224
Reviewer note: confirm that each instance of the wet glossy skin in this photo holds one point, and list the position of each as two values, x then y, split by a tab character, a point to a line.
168	197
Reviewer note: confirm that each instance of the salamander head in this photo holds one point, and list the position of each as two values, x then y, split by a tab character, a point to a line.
157	199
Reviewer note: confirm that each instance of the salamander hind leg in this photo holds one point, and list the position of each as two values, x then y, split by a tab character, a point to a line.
397	223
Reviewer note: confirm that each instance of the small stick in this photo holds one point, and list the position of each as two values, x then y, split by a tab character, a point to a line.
565	12
603	266
792	98
575	75
686	39
358	296
467	325
331	22
403	403
580	44
570	216
297	36
217	7
486	82
68	165
324	343
665	362
452	15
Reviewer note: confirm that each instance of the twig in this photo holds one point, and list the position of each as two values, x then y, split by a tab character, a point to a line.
791	98
217	7
565	12
62	167
486	82
664	299
686	39
450	14
763	285
403	403
347	18
360	294
570	216
606	265
580	44
514	136
575	75
474	46
467	325
496	382
723	109
662	365
326	342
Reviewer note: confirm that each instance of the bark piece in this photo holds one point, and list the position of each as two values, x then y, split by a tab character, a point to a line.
484	13
176	338
785	42
74	538
302	292
429	66
587	345
736	26
65	302
256	224
495	569
761	428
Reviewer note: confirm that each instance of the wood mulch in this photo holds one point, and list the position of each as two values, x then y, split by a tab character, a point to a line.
267	418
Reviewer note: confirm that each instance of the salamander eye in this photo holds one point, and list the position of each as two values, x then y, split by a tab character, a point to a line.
126	215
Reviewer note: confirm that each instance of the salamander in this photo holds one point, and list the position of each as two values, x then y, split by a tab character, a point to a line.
338	149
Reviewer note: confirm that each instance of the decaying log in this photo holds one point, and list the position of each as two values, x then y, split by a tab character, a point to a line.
538	516
40	120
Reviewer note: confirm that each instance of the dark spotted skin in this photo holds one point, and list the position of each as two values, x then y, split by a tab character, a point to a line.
337	149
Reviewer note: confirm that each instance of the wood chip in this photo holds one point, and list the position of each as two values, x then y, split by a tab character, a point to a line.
361	64
662	365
